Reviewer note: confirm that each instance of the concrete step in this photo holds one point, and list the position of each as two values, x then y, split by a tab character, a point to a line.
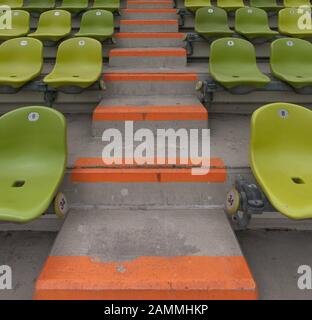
149	116
154	254
149	14
149	25
146	39
150	83
150	4
158	57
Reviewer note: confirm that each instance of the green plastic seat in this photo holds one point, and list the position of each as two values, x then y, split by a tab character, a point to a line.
39	5
110	5
97	24
21	61
212	22
74	6
13	4
233	64
230	5
281	157
32	163
253	23
20	25
193	5
267	5
53	25
288	24
296	3
291	61
78	64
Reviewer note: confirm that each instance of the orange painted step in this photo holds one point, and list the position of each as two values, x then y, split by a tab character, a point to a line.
150	77
150	113
94	170
152	277
161	2
149	11
148	52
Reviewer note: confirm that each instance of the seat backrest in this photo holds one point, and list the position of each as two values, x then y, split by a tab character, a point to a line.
82	3
93	20
23	52
296	3
20	19
98	3
54	19
231	53
238	3
33	132
42	3
288	18
211	16
280	126
12	3
289	52
263	3
82	53
248	17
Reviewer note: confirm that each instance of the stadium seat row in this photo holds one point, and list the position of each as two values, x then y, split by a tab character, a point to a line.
212	22
55	25
78	63
232	5
73	6
233	63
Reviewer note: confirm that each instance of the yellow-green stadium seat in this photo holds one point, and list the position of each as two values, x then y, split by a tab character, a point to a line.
289	22
74	6
253	23
53	25
39	5
33	160
193	5
267	5
97	24
296	3
212	22
230	5
21	61
20	25
13	4
233	64
110	5
78	64
291	61
281	157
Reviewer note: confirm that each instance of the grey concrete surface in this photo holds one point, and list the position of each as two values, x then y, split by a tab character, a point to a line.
273	256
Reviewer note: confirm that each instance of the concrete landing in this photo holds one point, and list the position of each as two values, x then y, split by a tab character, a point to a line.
154	254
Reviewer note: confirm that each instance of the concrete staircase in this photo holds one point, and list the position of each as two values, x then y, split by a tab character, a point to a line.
145	231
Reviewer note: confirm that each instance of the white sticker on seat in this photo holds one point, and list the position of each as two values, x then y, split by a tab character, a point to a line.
33	116
24	43
283	113
290	43
98	13
57	13
230	43
82	42
210	10
249	10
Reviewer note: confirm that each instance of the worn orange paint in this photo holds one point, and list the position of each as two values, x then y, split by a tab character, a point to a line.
150	77
179	52
96	171
150	35
179	277
150	2
148	22
150	113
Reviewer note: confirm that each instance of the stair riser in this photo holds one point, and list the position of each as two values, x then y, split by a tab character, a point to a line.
149	27
150	6
148	61
149	16
99	126
149	42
